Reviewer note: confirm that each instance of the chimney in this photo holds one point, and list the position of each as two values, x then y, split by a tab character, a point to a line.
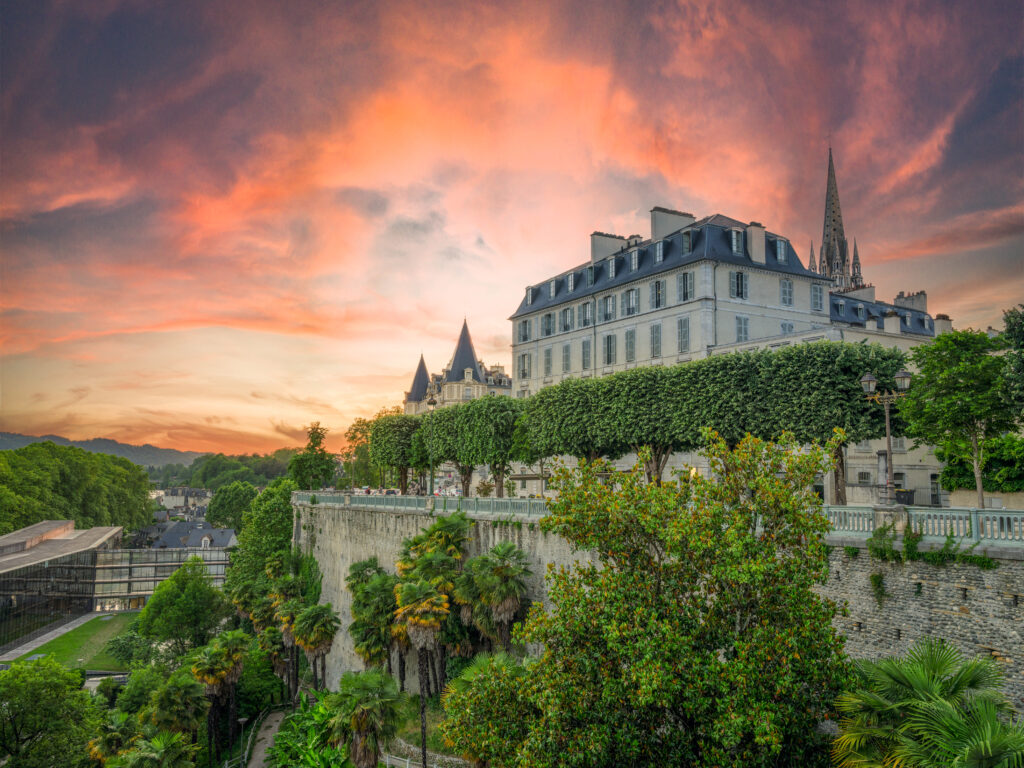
665	221
755	241
943	324
892	322
603	245
918	301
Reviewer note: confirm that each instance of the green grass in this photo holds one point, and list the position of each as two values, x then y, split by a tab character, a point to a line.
410	732
83	646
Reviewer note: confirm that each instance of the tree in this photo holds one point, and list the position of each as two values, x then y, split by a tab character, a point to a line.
490	432
1013	319
143	682
575	418
314	630
499	577
366	714
930	709
234	645
958	399
163	750
115	736
212	667
185	609
313	467
391	444
266	531
229	503
179	706
46	719
695	636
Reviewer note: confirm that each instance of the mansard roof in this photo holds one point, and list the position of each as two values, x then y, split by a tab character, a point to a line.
464	357
420	379
843	309
709	240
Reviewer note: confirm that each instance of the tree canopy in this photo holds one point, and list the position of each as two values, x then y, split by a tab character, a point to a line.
185	609
313	467
229	503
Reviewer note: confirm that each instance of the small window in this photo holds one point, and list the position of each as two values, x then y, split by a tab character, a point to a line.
683	334
570	282
630	302
860	311
817	298
899	479
566	357
529	295
586	313
630	345
608	312
842	306
659	252
566	319
656	340
742	329
787	328
590	276
585	355
551	289
609	349
687	242
634	261
737	241
524	330
781	251
547	324
864	478
611	268
547	361
786	292
657	294
524	366
899	443
738	288
684	286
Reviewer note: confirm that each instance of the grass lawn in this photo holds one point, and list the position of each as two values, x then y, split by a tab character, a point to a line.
410	732
83	646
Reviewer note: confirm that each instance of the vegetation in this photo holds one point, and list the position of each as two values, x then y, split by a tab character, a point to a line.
185	609
302	739
85	646
1003	471
391	444
366	715
230	503
313	467
44	481
1013	319
931	709
214	471
266	532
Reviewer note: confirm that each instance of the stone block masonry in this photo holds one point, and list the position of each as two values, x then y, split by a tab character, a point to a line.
980	611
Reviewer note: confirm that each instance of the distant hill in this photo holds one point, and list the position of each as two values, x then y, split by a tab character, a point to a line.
144	455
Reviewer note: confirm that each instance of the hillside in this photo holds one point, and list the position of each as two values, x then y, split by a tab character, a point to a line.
144	455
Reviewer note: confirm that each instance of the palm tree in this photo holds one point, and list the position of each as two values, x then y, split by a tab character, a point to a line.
314	631
449	535
286	611
502	586
235	644
368	713
373	608
272	641
117	733
897	696
164	750
212	668
938	734
179	706
421	609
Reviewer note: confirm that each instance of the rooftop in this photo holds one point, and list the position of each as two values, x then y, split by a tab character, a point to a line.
48	540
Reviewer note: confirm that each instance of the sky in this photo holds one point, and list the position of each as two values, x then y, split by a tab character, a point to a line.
222	221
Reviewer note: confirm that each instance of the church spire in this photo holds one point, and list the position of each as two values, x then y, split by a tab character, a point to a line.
833	213
857	277
810	259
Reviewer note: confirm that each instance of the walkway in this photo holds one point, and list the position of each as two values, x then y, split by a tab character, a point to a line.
31	645
259	757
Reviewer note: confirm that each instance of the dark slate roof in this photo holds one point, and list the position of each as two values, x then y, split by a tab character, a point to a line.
464	357
709	240
420	379
219	537
187	533
920	323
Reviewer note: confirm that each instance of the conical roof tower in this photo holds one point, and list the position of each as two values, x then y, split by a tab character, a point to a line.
420	379
856	277
463	358
810	259
834	256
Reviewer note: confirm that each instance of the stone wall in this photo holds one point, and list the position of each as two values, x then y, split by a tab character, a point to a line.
980	611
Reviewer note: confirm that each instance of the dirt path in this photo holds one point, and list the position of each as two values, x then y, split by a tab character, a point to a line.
264	739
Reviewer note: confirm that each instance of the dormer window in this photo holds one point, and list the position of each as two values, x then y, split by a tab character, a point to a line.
590	276
529	295
736	240
842	307
571	282
781	250
551	289
687	242
860	311
659	252
611	268
634	261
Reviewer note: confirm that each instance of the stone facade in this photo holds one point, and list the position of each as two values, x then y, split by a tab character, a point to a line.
980	611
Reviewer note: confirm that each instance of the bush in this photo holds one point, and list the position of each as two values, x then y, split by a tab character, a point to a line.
484	488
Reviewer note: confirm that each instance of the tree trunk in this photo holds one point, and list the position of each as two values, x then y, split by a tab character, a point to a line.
442	655
839	475
499	481
209	735
389	662
976	458
323	670
466	477
403	480
401	670
232	715
423	705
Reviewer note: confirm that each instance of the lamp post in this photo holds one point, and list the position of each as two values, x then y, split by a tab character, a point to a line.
241	738
431	402
870	384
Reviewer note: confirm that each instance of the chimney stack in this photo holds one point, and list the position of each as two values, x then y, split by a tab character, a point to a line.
665	221
755	241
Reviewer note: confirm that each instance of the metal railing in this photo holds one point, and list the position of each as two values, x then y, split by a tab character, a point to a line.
442	505
850	519
242	759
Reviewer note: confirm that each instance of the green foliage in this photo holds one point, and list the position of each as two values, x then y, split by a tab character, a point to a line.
108	688
638	667
258	684
366	715
881	544
213	471
878	587
488	429
229	503
881	547
266	531
1003	471
313	467
390	443
302	739
162	750
142	683
44	481
931	709
185	609
1014	375
46	719
574	418
178	706
129	647
484	489
851	552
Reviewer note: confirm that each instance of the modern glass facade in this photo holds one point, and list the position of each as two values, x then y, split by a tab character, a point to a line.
125	578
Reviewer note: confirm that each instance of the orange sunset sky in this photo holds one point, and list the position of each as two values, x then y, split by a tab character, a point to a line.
221	221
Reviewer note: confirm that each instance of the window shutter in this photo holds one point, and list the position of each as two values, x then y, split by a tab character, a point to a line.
654	291
683	332
733	283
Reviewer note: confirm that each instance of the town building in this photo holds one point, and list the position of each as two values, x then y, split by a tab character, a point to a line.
465	378
698	287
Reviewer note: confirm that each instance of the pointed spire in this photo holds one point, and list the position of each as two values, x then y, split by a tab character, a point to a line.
418	390
810	259
857	277
463	358
833	225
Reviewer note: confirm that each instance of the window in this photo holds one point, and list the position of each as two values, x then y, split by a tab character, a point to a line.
570	282
608	308
630	302
524	330
590	276
529	295
586	313
687	242
781	251
659	252
736	238
842	306
656	340
547	361
585	355
683	334
551	289
634	261
787	328
738	285
860	311
899	443
817	298
565	319
467	393
864	478
742	329
611	268
609	349
899	479
684	286
657	294
786	292
566	357
524	366
547	324
630	345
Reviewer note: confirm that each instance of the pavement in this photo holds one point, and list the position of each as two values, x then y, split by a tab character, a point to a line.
31	645
265	738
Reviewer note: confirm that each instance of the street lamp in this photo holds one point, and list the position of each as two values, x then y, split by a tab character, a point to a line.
241	738
431	402
870	384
